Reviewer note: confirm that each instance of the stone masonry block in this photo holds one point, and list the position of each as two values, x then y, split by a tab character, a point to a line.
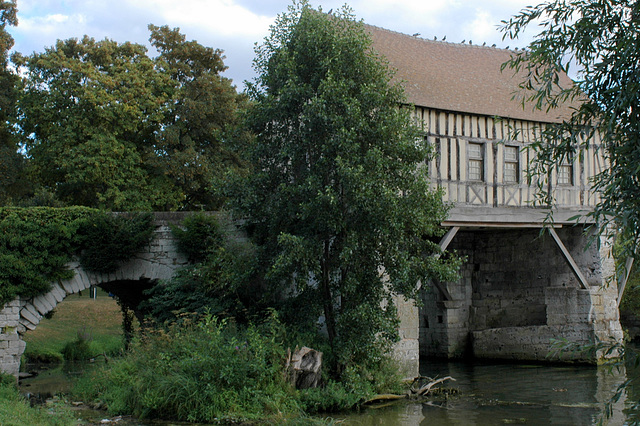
31	318
75	285
58	293
51	299
28	325
83	277
42	305
68	288
32	310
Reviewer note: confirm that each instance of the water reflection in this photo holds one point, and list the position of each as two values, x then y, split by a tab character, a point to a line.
51	379
508	394
495	394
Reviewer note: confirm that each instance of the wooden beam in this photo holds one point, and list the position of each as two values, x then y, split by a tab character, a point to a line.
442	289
508	225
622	284
446	240
567	256
444	243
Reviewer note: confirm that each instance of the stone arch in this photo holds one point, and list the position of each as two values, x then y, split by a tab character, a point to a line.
157	262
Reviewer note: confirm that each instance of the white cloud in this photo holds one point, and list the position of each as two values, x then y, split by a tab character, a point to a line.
483	27
235	25
222	17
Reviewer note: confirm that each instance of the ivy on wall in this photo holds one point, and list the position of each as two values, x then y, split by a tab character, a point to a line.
37	243
106	240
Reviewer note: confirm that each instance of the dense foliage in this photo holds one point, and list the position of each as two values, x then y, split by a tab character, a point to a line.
12	181
207	371
338	199
599	39
200	121
37	243
216	371
107	240
222	280
35	246
106	125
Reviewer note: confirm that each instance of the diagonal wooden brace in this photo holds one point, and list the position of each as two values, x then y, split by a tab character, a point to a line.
567	256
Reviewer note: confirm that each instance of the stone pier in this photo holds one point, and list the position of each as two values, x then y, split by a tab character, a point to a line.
517	294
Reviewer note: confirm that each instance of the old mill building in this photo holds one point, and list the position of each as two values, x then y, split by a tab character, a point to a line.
519	288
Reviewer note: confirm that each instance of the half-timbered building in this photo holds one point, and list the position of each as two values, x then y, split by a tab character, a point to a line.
519	287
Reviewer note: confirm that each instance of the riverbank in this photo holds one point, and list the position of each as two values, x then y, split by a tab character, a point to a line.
15	409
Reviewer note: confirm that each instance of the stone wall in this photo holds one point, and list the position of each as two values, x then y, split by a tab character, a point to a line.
407	351
11	346
516	293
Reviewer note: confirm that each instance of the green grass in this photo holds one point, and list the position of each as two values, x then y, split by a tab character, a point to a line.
16	411
101	318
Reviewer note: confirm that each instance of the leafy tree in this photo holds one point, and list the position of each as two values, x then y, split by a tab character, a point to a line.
11	162
338	196
201	116
90	111
107	126
600	39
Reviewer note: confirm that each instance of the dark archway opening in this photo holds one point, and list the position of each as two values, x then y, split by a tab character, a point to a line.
129	294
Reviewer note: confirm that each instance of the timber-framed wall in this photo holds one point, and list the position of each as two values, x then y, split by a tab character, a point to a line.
520	287
504	156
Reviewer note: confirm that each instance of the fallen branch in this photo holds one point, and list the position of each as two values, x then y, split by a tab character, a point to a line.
426	388
422	391
385	397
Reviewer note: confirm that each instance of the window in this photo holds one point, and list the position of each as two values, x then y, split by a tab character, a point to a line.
565	173
511	166
476	161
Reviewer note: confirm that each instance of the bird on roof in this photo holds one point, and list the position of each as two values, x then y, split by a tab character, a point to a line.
444	38
470	42
415	35
435	38
463	40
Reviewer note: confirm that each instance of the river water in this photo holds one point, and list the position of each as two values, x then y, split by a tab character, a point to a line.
489	394
498	394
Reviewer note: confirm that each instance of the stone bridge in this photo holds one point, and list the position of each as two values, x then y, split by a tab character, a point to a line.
517	292
157	262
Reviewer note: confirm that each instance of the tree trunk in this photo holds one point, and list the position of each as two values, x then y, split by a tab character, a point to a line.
327	296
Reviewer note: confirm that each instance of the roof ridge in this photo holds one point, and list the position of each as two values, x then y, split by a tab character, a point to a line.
450	43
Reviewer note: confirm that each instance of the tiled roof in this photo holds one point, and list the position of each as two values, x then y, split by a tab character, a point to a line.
458	77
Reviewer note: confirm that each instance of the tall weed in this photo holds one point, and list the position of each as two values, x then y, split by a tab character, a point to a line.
16	411
203	371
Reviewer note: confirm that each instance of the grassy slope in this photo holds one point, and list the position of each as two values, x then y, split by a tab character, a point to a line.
100	317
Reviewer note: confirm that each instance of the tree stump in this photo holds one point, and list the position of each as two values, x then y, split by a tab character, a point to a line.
304	368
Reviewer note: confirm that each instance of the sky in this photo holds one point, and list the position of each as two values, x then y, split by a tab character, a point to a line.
236	25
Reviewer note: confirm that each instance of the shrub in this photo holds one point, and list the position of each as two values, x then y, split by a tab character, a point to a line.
80	348
106	240
223	281
202	371
198	234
